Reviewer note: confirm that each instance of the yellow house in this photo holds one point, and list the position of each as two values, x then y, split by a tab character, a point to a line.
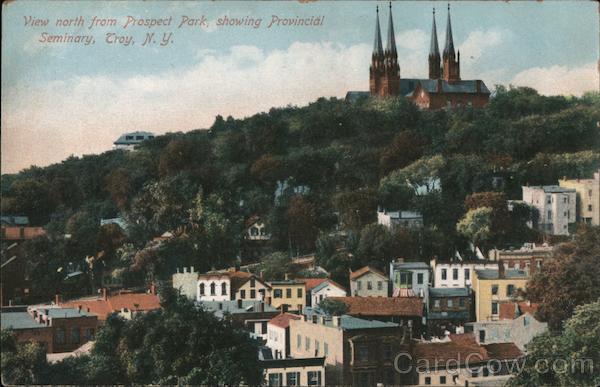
588	198
289	292
493	286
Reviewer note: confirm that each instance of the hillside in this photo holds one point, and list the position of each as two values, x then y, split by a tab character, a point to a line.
304	170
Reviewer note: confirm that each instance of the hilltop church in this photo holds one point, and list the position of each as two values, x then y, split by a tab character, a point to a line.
443	88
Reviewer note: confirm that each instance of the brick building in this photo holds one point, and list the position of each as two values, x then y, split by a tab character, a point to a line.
443	89
449	308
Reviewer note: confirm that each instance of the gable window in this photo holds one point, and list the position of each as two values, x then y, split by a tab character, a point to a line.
252	282
379	285
369	285
359	285
242	294
252	293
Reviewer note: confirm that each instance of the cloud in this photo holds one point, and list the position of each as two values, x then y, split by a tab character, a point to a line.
478	45
559	79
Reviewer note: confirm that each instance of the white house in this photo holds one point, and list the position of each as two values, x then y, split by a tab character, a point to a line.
394	219
557	207
186	282
326	289
278	334
214	287
457	274
128	141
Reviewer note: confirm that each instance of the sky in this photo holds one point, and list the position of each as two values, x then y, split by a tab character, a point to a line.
63	99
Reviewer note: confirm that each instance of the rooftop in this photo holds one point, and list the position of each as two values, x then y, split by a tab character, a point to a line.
326	283
133	138
19	320
283	320
10	220
449	292
382	306
364	270
349	323
511	310
231	306
553	188
410	265
115	303
312	282
489	274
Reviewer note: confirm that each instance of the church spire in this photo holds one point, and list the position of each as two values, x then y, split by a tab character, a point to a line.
377	46
449	47
434	49
391	39
434	53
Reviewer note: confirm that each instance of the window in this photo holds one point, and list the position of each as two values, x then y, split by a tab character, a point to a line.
288	293
292	378
139	137
590	193
589	207
317	347
565	199
362	353
213	289
88	334
379	285
306	343
253	231
325	349
252	293
242	294
75	339
275	379
436	303
298	341
549	214
277	293
387	352
494	308
128	137
461	302
420	278
369	285
494	290
428	380
359	285
548	199
299	294
59	336
201	289
454	274
223	289
450	303
482	336
442	380
314	378
444	274
510	289
467	274
252	282
263	327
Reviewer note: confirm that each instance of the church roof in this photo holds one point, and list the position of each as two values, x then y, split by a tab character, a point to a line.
391	40
408	85
449	48
434	49
377	45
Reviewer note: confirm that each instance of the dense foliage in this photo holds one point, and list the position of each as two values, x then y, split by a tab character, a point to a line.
309	172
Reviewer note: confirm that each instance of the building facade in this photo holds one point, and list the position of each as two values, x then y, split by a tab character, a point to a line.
399	219
449	309
410	275
288	295
278	334
588	198
529	257
494	286
292	372
368	282
325	290
456	273
556	206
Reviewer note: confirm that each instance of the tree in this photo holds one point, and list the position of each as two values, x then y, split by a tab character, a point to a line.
572	278
476	225
275	266
22	363
356	208
302	220
119	184
566	359
406	147
333	307
374	247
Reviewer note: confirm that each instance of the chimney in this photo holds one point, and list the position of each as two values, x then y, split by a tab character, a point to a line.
191	269
239	304
287	276
336	321
177	270
184	269
57	299
501	268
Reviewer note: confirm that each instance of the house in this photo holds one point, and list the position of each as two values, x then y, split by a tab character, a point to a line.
457	273
529	257
557	207
14	276
128	141
125	303
368	282
326	289
225	285
57	329
253	316
278	334
461	361
250	287
256	239
493	286
289	295
399	219
410	275
588	197
406	311
449	308
357	351
516	324
186	282
308	371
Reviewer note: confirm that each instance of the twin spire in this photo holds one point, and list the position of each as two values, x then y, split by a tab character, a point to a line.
449	46
391	39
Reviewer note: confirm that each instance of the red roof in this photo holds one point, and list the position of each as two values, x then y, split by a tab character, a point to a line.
503	351
283	320
382	306
364	270
508	310
103	308
312	282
